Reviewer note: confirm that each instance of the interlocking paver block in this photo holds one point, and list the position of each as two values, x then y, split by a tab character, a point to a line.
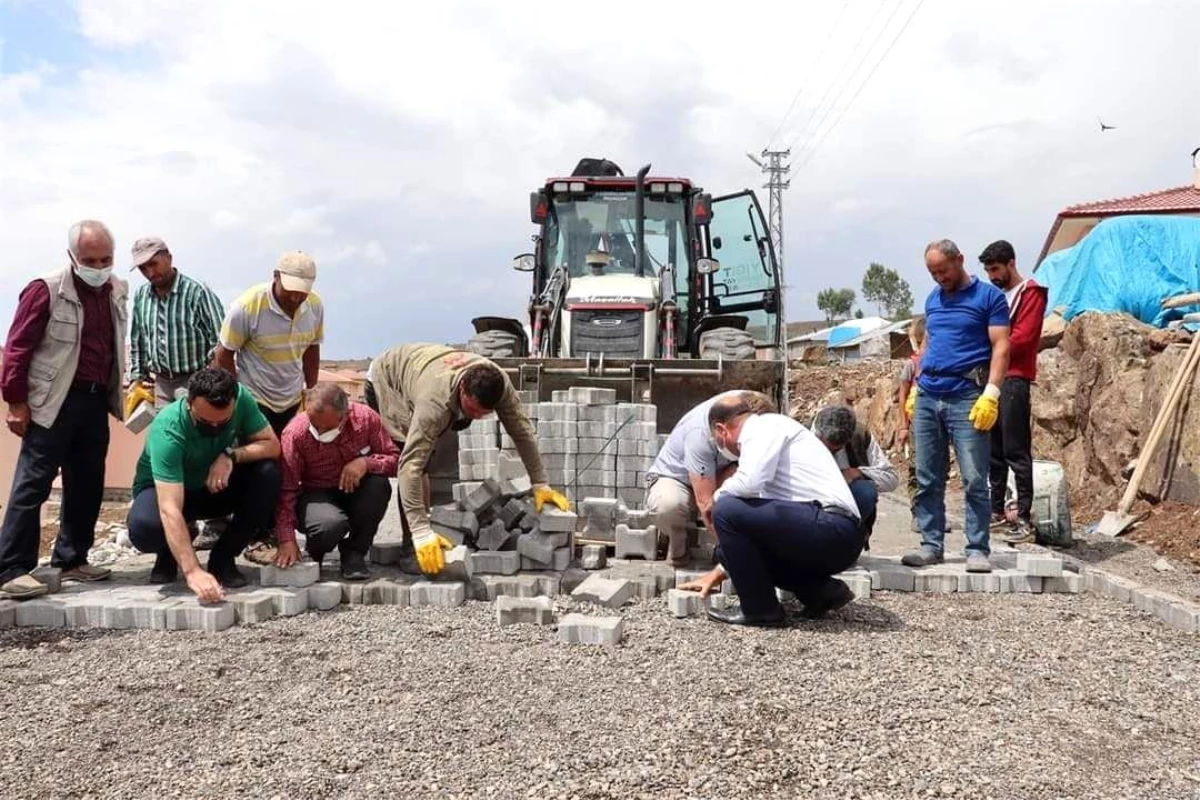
641	543
455	567
683	603
483	497
191	615
511	512
8	613
87	610
859	583
524	610
489	587
289	600
304	573
51	576
537	547
495	562
1067	583
604	591
387	552
385	592
555	520
149	615
886	578
450	517
935	580
1015	581
979	582
443	595
1039	565
353	593
495	536
582	629
594	556
325	595
253	607
41	612
591	396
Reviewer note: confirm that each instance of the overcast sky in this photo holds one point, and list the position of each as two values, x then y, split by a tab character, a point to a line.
398	143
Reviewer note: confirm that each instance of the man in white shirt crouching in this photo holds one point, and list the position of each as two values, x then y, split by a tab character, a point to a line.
786	519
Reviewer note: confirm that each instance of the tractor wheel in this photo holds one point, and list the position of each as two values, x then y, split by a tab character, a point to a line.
496	344
729	343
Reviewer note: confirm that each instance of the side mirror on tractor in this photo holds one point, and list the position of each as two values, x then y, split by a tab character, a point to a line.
707	266
526	262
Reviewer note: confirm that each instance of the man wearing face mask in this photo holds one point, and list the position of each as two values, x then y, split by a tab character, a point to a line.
63	366
423	390
337	458
207	455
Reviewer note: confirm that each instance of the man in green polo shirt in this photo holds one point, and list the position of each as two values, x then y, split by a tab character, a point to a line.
207	455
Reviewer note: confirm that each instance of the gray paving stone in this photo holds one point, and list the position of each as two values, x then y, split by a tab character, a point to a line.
1153	601
979	582
565	446
1039	565
191	615
524	610
604	591
1018	582
554	520
442	595
86	610
498	562
386	592
640	543
935	579
495	536
1067	583
353	593
591	396
8	614
451	517
859	583
51	576
1120	588
456	567
562	412
40	612
325	595
893	579
536	547
386	552
489	587
683	603
582	629
483	497
148	615
305	573
289	600
253	607
594	556
460	490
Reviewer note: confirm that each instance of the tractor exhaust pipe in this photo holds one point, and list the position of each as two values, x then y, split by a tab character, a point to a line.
639	210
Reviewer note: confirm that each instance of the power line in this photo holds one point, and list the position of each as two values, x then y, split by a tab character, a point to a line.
866	80
804	84
837	74
854	73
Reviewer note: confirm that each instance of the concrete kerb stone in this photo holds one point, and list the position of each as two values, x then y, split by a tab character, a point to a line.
40	612
582	629
325	596
304	573
191	615
604	591
253	607
441	595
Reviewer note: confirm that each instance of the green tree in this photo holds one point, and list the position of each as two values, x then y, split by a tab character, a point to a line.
836	303
889	292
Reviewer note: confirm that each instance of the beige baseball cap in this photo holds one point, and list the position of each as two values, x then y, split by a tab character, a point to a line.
297	271
147	248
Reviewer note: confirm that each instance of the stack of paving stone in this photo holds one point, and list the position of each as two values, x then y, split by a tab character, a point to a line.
590	444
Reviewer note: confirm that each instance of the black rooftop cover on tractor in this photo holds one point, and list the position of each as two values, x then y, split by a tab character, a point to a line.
593	167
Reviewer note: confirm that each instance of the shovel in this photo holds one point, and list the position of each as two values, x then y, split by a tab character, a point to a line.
1114	523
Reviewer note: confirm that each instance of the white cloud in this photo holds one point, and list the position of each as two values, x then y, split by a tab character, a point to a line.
403	140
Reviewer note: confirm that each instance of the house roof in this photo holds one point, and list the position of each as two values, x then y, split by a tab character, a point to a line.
886	330
1075	222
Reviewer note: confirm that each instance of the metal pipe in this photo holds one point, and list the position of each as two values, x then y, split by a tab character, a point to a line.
639	209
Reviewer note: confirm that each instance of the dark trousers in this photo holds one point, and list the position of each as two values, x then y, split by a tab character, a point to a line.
1012	448
77	443
332	518
764	544
251	498
372	401
278	420
866	497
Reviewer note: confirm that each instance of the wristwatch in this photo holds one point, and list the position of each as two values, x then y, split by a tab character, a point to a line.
231	452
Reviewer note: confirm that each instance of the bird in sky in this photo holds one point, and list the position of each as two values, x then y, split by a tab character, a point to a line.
1104	127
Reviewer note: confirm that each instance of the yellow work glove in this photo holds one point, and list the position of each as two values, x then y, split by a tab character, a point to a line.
138	393
430	548
543	494
910	405
986	409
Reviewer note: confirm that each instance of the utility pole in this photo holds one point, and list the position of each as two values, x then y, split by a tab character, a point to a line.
776	170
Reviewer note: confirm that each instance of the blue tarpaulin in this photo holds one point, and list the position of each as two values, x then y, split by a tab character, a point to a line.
1128	264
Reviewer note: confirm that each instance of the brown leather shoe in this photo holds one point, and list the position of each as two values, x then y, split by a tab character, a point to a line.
24	587
86	573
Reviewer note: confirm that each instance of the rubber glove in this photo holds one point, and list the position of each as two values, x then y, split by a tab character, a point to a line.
429	547
986	409
910	405
138	393
543	494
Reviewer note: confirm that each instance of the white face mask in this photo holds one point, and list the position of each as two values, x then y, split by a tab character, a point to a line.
728	456
90	275
327	437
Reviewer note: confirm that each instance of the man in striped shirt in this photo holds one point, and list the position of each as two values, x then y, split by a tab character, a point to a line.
175	323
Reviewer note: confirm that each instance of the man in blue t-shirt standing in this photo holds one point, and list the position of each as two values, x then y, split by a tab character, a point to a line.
966	355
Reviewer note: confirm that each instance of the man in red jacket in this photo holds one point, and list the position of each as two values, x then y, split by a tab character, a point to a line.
1012	436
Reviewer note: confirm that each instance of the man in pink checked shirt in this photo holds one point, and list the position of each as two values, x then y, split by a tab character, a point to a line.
337	459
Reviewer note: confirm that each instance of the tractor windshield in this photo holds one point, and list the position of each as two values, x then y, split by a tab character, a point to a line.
606	221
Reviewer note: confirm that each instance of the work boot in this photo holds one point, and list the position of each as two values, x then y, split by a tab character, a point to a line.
978	562
227	574
921	558
165	570
23	587
832	596
1022	533
354	567
86	573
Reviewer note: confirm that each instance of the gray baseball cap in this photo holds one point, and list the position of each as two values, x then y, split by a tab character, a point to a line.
147	248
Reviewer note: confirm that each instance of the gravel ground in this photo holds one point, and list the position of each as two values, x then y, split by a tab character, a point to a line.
902	697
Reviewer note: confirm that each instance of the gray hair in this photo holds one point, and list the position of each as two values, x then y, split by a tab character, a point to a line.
328	395
835	425
946	247
77	230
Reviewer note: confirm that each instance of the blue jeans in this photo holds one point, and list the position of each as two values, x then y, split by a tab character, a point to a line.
866	497
764	544
938	423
